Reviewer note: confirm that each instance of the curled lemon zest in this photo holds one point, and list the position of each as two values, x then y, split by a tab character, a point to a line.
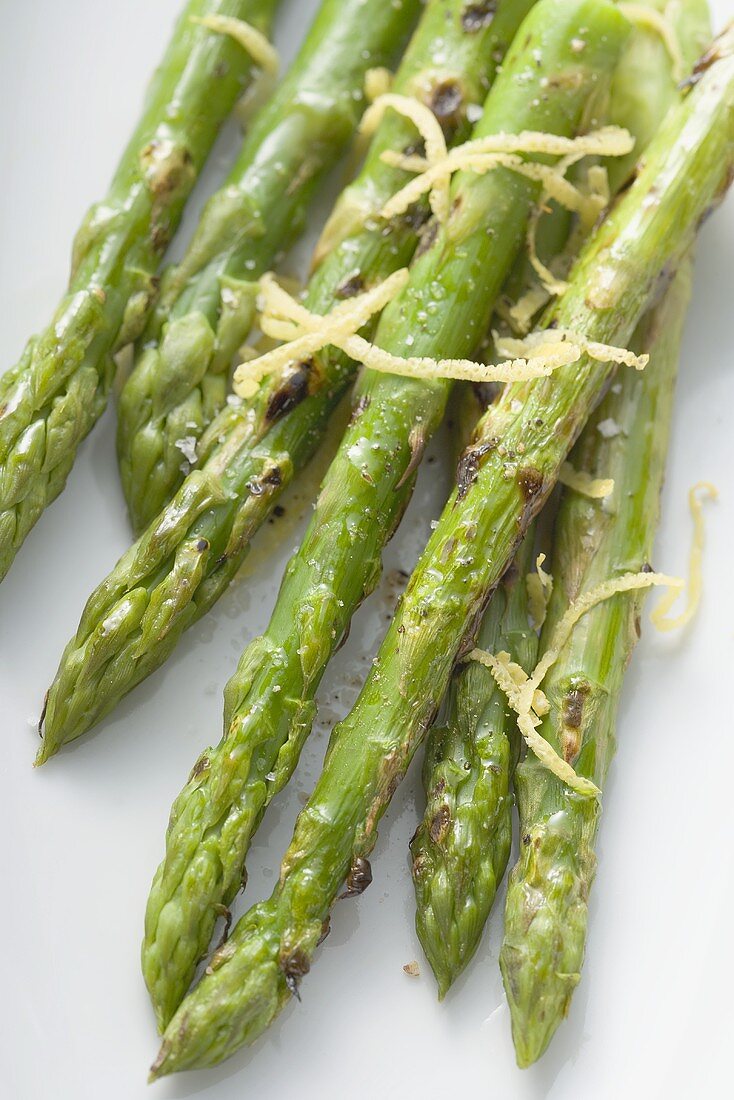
260	49
304	333
660	616
597	488
539	587
377	82
430	130
603	353
524	694
650	19
502	150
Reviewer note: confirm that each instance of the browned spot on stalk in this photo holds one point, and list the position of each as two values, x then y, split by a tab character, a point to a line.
468	468
391	772
294	966
530	481
420	862
478	15
448	549
573	706
201	765
413	218
417	444
359	408
439	825
574	702
428	235
325	929
446	101
705	61
351	286
511	575
270	479
358	879
291	393
159	237
165	166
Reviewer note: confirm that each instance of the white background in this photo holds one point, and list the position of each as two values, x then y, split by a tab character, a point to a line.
653	1015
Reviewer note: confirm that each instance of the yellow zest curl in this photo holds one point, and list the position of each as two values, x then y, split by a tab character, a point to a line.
502	151
660	617
523	692
430	130
581	482
260	49
377	82
652	20
531	346
305	333
539	587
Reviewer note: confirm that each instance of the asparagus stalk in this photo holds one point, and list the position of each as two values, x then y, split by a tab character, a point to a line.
461	847
546	911
51	399
445	63
645	85
189	555
207	303
270	700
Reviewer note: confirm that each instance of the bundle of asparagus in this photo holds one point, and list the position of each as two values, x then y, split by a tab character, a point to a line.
189	554
269	702
51	399
530	431
574	101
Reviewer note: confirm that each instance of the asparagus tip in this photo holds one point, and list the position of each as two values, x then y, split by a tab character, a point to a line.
164	1063
43	754
538	1003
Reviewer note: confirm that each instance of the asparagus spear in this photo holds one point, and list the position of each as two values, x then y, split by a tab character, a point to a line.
207	303
547	901
687	168
51	399
341	551
461	848
203	867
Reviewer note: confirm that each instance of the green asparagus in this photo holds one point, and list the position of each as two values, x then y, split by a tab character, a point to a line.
687	169
270	700
207	303
547	901
461	848
51	399
447	65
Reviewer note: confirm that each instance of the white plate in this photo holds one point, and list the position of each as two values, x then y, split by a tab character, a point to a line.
653	1015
